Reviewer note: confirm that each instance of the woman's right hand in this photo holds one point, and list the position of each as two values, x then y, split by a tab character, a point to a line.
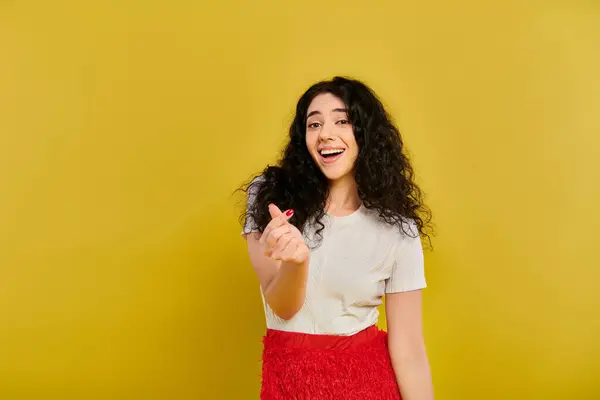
282	240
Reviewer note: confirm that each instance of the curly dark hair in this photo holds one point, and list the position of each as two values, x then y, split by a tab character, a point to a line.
383	173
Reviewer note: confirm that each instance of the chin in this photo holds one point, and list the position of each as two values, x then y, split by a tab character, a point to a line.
333	172
335	175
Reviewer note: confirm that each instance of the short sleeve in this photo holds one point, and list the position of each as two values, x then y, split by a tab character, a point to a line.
408	269
249	223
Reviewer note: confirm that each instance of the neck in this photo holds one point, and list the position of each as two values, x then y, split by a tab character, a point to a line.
343	196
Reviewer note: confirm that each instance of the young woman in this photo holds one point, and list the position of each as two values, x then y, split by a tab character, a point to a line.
331	229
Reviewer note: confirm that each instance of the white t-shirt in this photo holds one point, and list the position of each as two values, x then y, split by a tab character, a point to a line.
359	259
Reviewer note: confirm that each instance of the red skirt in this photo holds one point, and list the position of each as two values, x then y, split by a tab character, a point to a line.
323	367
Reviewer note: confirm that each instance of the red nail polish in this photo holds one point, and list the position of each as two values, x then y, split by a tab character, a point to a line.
289	213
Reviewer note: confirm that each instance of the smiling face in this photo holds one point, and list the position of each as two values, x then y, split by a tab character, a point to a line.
330	137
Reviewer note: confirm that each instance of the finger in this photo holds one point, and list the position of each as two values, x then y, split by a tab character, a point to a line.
288	253
274	224
288	214
282	244
274	211
277	213
276	233
300	254
279	244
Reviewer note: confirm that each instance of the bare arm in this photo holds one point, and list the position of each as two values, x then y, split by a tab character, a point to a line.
280	259
283	283
407	346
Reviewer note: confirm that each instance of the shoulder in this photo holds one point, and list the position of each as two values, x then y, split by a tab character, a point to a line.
255	188
256	182
407	229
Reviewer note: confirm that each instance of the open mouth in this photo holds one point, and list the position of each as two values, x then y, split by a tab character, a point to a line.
331	155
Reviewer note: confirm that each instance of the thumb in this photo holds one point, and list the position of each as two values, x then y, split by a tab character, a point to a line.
276	212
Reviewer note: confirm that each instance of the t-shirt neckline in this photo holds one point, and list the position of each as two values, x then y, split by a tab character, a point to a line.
347	218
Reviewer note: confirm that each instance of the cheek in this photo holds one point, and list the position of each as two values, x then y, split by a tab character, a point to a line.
350	140
311	140
352	145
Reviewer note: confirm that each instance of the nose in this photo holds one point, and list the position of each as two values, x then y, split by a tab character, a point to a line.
326	133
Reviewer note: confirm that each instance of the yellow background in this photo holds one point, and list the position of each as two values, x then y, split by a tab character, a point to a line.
125	126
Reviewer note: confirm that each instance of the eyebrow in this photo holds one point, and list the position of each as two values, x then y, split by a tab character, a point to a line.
343	110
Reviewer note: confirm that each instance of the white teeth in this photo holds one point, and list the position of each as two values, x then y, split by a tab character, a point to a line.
331	151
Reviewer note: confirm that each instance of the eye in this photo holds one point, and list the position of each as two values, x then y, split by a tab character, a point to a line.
314	125
343	122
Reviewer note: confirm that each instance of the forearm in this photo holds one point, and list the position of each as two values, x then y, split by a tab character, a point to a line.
285	293
413	375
